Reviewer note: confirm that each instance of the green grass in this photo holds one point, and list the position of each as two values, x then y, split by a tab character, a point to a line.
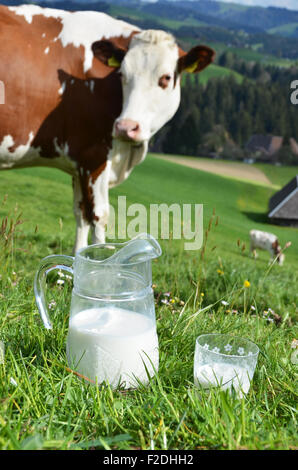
278	175
44	405
176	24
285	29
214	71
266	59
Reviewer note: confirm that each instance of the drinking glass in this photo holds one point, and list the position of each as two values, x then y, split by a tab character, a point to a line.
224	361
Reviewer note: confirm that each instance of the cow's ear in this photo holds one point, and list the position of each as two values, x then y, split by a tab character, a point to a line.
196	59
108	53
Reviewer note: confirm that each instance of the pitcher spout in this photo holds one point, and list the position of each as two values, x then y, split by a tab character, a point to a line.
141	248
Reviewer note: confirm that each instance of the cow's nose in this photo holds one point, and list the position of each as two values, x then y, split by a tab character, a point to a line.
127	129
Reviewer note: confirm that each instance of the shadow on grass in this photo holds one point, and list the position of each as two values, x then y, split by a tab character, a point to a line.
259	217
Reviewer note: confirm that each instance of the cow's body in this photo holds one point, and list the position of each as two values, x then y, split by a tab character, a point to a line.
63	95
266	241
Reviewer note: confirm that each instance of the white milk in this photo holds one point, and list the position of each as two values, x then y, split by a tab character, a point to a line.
223	375
112	344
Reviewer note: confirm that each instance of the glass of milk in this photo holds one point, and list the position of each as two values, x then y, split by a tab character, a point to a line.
224	361
112	333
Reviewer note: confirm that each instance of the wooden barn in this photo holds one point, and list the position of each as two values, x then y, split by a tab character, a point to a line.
283	205
264	147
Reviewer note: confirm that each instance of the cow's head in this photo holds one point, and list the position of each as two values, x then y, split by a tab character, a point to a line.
280	255
278	252
150	71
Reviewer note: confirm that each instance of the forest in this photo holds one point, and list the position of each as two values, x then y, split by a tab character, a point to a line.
220	116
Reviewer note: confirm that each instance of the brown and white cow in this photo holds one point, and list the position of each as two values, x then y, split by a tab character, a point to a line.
84	93
266	241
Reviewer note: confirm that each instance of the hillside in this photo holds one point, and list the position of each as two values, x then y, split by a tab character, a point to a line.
260	18
161	181
236	26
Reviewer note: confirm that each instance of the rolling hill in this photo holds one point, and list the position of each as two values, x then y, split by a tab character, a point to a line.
273	29
239	205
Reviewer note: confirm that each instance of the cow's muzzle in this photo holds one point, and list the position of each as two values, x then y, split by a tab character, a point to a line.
128	130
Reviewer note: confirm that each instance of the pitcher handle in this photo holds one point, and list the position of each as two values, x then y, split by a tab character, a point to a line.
47	265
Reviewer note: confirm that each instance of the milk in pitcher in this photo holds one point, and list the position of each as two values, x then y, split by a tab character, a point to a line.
114	345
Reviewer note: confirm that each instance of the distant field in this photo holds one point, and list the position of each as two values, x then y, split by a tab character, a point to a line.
176	24
280	175
254	55
262	173
236	170
285	30
216	71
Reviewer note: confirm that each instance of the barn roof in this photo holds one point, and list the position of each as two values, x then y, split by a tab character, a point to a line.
284	203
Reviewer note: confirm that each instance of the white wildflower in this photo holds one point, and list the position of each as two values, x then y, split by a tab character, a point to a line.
294	357
2	348
13	382
52	304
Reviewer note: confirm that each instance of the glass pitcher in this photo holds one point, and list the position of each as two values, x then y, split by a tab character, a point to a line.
112	328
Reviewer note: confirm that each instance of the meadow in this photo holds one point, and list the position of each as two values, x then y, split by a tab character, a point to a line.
219	288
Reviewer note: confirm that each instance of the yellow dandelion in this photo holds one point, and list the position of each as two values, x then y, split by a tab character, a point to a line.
202	294
246	283
220	272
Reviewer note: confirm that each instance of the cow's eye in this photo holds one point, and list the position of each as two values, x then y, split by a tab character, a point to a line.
164	81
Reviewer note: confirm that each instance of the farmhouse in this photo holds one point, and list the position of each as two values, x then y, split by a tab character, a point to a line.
264	147
283	205
293	146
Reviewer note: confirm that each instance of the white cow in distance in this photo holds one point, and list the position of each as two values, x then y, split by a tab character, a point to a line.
266	241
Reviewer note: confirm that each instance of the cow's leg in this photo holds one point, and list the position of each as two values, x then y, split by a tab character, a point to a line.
272	256
92	204
253	250
100	193
83	225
